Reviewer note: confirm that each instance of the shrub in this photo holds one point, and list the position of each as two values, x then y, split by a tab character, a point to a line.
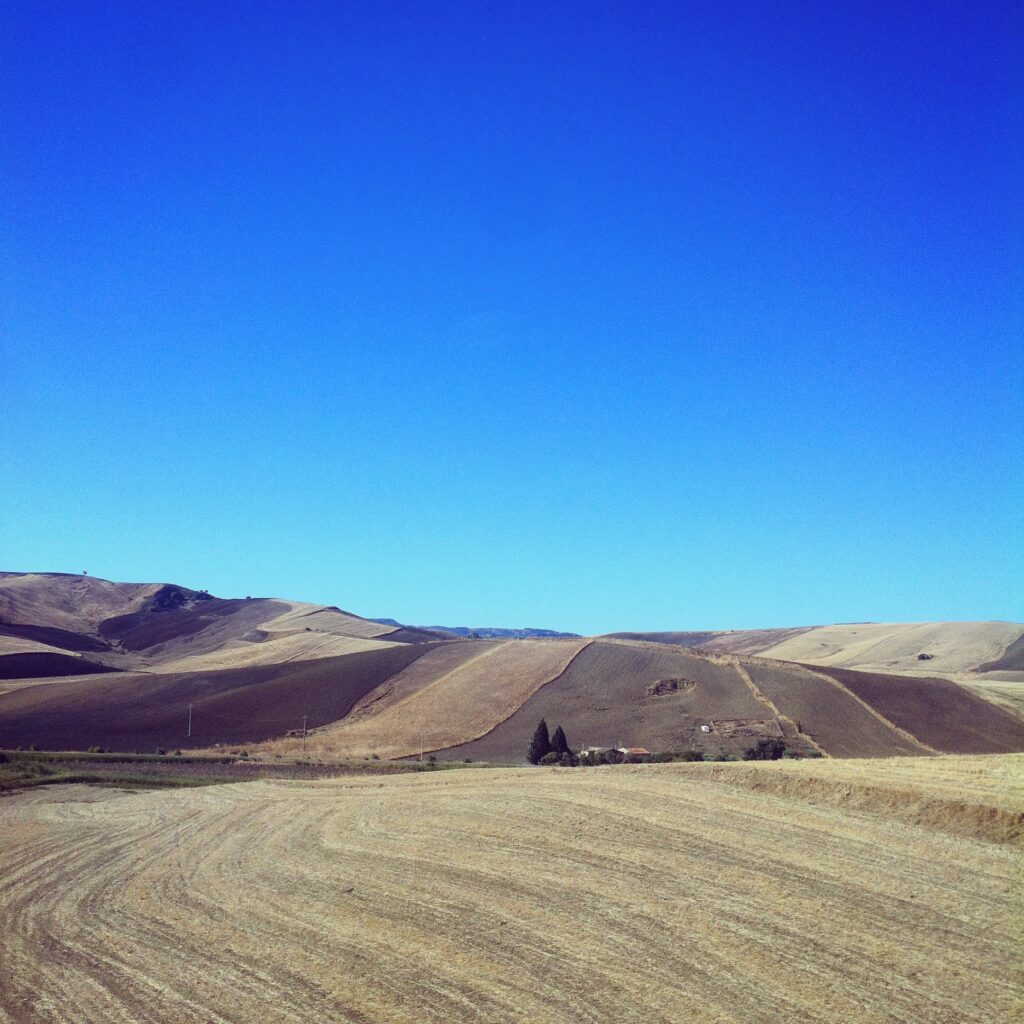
177	753
550	758
96	750
375	757
690	755
467	760
567	761
3	758
613	756
765	750
722	755
160	750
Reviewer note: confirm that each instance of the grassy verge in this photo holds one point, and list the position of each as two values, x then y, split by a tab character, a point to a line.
23	774
114	757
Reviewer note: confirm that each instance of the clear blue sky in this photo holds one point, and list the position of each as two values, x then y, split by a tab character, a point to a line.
591	316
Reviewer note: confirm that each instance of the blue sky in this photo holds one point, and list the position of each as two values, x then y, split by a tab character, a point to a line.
591	316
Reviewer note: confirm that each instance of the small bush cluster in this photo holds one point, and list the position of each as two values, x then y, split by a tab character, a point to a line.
765	750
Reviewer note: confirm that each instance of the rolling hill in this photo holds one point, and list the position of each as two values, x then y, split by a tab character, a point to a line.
87	662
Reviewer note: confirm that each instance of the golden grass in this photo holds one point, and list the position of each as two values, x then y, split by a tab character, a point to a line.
18	645
893	647
277	649
650	894
1007	693
455	707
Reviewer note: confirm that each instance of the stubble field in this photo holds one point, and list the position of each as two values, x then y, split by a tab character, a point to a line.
803	891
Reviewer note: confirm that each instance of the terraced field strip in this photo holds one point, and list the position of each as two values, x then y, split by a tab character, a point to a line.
644	895
457	706
836	719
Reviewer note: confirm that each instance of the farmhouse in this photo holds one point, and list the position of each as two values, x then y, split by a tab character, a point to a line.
594	751
634	751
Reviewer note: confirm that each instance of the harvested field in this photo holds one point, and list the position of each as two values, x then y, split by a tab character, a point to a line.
1006	693
827	713
602	699
950	647
732	894
457	705
274	648
1011	660
940	713
131	711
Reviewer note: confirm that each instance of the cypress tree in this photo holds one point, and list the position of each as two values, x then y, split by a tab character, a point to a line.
559	744
540	744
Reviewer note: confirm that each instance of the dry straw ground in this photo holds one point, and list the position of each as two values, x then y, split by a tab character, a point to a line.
817	891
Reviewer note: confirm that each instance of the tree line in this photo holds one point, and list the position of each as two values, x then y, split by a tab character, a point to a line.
554	748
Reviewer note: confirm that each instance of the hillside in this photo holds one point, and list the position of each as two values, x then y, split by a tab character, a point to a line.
87	662
814	891
916	648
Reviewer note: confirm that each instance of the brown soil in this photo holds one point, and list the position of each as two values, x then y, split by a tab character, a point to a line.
938	712
43	664
826	713
601	699
132	711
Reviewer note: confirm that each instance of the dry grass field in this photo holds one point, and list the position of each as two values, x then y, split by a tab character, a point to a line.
953	649
870	891
455	705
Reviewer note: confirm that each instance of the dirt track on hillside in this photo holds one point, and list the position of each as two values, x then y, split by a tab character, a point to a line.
643	895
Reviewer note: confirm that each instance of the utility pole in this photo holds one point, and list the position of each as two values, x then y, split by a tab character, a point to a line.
190	719
421	744
304	717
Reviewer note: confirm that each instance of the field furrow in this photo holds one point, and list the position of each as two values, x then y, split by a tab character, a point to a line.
647	894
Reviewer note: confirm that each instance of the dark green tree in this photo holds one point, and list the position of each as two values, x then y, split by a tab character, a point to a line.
540	744
559	744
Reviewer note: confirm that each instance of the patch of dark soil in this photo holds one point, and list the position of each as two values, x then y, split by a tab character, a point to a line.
939	712
139	631
46	664
55	637
132	711
409	635
694	639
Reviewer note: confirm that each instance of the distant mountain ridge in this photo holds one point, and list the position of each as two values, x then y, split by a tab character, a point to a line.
488	632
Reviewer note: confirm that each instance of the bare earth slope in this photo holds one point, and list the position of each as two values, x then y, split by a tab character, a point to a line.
939	712
830	714
603	699
728	894
132	711
458	704
949	648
